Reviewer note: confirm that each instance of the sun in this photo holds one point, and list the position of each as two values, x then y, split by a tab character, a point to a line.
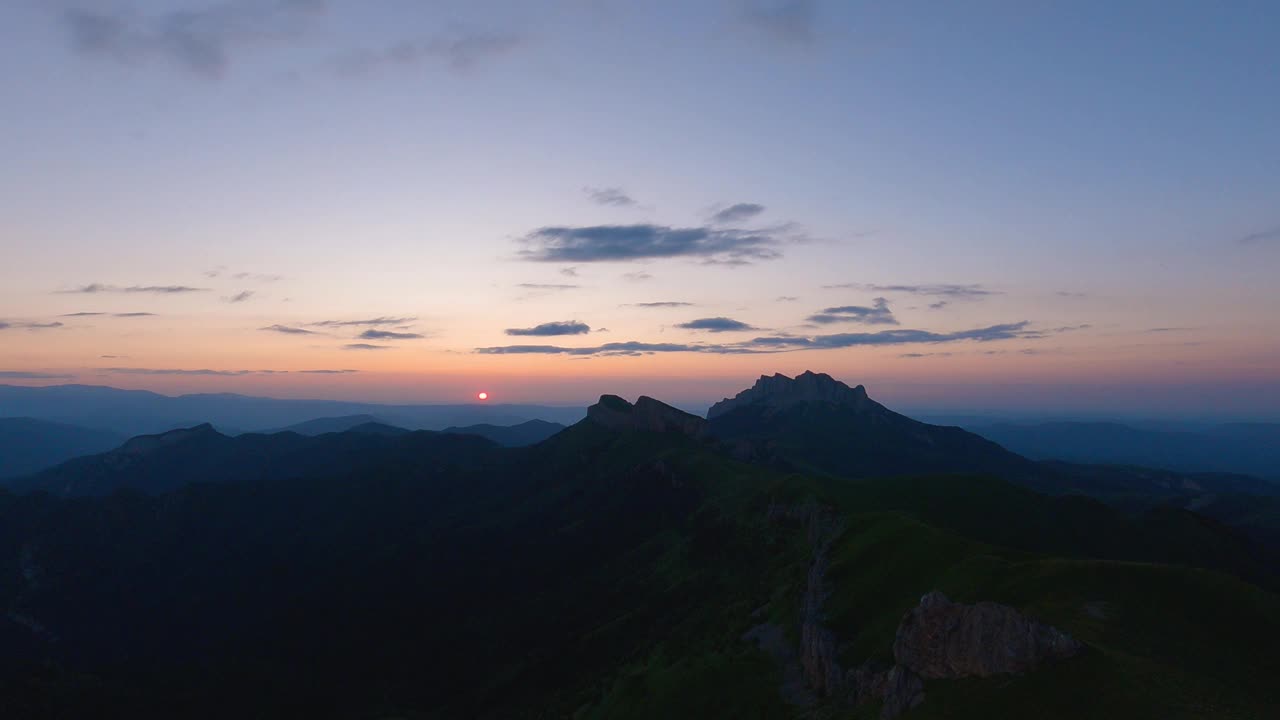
483	396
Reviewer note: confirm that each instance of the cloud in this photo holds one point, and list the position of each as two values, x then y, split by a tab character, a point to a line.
239	297
610	196
28	375
939	304
1167	329
740	212
786	298
389	335
623	243
94	288
551	329
547	286
384	320
569	272
175	371
257	277
199	41
637	276
952	292
878	314
921	355
662	304
1259	238
786	22
716	325
83	314
119	315
17	325
365	346
459	49
287	330
328	372
784	343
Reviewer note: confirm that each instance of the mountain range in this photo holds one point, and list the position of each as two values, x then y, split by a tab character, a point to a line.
799	553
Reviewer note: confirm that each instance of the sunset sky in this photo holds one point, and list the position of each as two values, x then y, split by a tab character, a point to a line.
1032	206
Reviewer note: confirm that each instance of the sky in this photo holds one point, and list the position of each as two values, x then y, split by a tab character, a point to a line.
992	205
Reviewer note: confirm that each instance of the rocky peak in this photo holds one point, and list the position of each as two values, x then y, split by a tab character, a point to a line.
150	443
779	391
646	414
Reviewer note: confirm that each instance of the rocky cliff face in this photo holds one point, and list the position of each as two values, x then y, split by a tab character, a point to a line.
942	639
646	414
780	391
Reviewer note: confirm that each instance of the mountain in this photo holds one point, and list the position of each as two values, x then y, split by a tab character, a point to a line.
156	464
814	423
526	433
135	412
627	567
28	445
320	426
1245	448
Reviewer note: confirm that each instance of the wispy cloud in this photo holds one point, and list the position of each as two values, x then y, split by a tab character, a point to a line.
622	243
29	375
383	320
786	298
740	212
287	330
239	297
94	288
952	292
609	196
551	329
25	325
640	276
365	346
389	335
547	286
328	372
200	41
460	49
716	325
877	314
662	304
1264	236
786	22
103	314
569	272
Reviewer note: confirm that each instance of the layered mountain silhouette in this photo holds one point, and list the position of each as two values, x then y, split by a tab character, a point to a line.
526	433
643	562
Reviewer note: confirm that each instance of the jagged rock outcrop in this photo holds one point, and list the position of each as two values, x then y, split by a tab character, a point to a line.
780	391
942	639
646	414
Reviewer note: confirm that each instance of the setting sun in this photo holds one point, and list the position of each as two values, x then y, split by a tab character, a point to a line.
483	396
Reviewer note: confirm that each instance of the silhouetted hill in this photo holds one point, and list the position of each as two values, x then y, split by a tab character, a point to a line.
320	426
526	433
162	463
814	423
28	445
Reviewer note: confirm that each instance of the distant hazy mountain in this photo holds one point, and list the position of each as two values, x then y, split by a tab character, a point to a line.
28	444
1252	448
136	412
526	433
320	426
